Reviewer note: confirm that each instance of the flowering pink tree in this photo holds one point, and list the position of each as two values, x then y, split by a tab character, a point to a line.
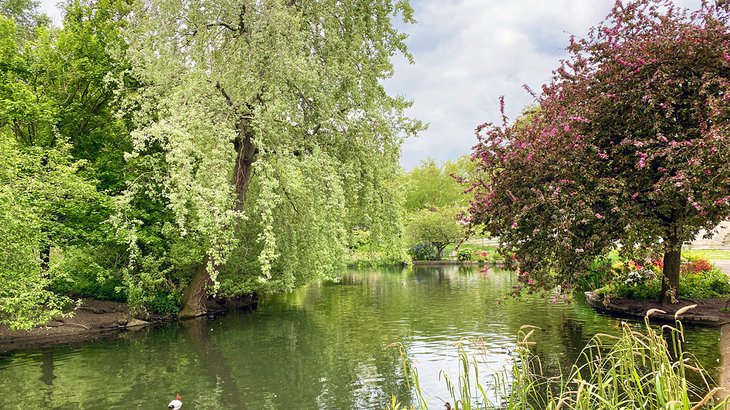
629	147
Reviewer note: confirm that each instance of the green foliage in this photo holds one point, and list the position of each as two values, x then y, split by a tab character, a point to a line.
77	272
699	279
64	147
438	227
120	148
597	275
287	99
435	200
26	15
424	251
635	370
24	297
432	186
464	255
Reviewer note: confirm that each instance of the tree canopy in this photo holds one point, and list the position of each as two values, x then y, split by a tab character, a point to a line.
436	201
155	152
263	128
629	146
62	149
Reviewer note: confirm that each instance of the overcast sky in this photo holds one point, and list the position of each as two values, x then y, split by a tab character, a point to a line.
468	53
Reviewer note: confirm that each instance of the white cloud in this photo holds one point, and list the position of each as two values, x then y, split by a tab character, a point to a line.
468	53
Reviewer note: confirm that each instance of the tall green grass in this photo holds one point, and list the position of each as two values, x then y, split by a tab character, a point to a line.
645	369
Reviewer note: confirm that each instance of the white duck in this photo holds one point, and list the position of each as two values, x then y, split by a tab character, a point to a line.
175	404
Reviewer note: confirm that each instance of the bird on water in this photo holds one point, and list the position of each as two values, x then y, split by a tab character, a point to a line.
175	404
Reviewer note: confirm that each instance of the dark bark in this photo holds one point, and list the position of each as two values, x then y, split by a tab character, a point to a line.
724	370
193	303
670	273
245	156
440	251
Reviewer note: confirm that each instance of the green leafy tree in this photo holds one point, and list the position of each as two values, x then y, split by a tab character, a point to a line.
629	146
439	227
440	191
25	14
57	122
266	133
430	185
25	194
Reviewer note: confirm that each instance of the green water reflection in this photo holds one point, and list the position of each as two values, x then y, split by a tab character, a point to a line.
320	347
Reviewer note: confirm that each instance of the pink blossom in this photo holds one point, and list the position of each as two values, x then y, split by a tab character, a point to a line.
722	201
579	118
599	216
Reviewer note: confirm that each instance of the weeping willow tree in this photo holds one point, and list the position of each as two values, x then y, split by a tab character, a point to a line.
264	138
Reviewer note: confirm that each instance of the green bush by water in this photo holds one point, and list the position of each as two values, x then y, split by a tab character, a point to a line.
423	252
637	370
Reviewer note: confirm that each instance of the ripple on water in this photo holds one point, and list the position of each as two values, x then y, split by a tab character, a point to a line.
319	347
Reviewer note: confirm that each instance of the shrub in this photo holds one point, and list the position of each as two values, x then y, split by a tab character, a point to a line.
424	251
481	256
77	273
696	266
599	274
699	280
465	255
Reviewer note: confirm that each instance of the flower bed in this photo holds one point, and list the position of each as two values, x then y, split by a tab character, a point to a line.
699	279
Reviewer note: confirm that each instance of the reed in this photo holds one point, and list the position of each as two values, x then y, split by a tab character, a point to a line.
646	369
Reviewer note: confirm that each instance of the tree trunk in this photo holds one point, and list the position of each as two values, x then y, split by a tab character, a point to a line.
440	252
670	272
195	296
193	303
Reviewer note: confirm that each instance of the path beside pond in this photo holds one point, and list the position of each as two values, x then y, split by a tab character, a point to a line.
724	265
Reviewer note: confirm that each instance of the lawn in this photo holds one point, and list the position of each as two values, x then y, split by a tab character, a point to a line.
709	254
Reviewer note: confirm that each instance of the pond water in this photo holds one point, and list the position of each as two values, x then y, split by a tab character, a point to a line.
321	347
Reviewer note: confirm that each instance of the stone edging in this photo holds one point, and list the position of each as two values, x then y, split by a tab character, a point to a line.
609	306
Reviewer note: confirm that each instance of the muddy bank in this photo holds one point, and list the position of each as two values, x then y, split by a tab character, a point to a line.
709	312
98	318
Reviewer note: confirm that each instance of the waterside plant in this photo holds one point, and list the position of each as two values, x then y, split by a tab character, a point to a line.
639	369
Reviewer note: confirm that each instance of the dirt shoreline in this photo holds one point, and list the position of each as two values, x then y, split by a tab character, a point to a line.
708	312
95	319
